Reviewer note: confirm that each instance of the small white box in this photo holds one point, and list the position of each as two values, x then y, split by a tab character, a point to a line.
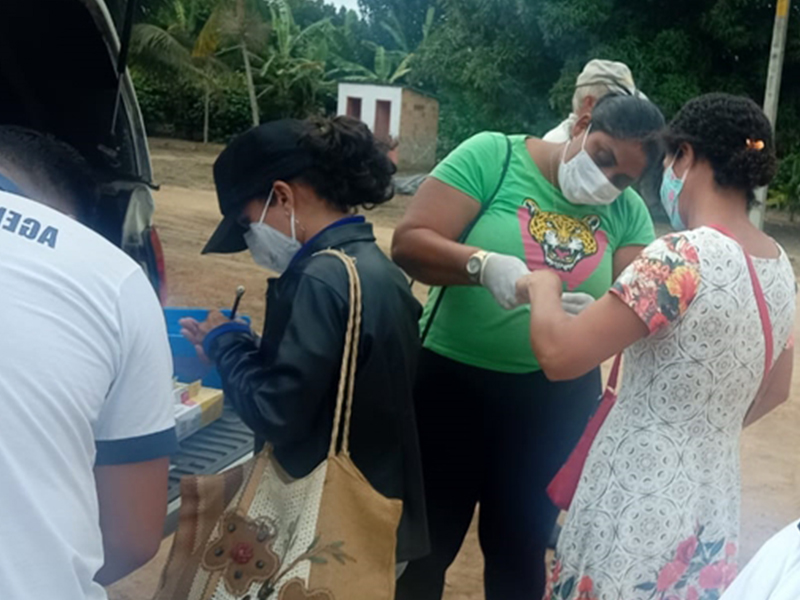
180	393
187	420
196	412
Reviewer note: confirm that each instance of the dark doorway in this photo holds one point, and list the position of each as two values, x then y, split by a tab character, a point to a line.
383	117
354	107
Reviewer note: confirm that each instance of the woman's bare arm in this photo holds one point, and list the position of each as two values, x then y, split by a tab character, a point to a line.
424	243
569	346
775	390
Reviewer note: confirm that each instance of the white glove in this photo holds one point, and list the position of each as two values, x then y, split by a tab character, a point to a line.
499	275
575	302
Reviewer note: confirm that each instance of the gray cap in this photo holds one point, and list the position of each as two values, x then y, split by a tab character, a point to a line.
614	75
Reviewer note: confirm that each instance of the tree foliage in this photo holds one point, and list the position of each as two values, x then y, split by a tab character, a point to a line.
506	64
294	70
387	18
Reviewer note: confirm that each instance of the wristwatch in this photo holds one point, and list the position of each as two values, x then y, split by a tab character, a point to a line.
475	266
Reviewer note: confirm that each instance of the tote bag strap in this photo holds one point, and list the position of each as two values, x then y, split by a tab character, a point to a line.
761	302
347	373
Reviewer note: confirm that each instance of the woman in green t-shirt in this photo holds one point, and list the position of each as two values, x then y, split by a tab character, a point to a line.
493	429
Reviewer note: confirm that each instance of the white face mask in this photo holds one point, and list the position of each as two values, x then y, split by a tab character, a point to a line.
582	181
269	247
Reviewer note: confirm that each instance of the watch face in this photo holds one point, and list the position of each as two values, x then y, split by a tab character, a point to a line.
474	265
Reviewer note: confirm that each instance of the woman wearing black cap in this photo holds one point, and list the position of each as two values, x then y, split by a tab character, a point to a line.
288	190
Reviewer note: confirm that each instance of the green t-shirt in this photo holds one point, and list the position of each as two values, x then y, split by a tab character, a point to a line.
530	219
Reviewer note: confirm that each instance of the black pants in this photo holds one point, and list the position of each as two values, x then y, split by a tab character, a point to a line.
496	439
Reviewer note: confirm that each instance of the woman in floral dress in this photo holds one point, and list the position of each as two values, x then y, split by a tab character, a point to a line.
656	513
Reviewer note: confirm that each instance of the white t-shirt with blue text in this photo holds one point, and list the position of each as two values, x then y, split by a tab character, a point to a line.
85	379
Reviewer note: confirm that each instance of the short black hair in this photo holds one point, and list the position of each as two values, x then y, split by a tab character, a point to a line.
351	167
733	134
626	117
55	163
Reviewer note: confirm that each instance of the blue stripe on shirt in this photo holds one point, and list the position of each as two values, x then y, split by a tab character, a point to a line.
136	449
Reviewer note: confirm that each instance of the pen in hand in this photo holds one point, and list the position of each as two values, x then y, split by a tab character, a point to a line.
239	293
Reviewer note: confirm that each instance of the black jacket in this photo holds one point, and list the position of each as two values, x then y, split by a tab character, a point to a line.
285	387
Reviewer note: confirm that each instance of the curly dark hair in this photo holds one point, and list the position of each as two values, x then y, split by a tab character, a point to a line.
351	166
733	134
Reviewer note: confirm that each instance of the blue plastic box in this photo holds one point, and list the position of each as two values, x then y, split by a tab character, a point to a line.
188	367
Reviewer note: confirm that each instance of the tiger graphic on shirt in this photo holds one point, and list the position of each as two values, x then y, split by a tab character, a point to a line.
564	240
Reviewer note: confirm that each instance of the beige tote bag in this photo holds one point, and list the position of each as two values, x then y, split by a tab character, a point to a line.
254	533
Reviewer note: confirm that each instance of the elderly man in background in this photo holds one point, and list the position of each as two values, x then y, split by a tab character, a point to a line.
598	78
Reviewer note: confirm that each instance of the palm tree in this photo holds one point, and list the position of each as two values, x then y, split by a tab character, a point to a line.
294	68
240	22
389	66
177	47
395	29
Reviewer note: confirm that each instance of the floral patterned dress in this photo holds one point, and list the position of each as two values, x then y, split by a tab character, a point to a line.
656	513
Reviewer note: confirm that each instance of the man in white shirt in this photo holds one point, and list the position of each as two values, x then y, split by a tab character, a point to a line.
85	381
598	78
774	573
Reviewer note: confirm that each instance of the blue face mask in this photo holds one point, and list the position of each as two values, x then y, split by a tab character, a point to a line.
671	188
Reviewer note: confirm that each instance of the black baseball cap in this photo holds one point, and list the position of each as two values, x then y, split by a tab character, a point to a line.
248	168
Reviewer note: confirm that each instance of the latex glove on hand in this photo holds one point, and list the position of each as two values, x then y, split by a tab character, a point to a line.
499	275
575	302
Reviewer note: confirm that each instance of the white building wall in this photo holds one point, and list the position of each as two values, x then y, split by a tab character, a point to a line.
369	95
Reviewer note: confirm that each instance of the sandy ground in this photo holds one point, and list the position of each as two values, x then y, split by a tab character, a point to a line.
187	214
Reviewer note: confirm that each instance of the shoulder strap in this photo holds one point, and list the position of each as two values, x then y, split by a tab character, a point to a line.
761	302
347	374
763	312
465	234
485	206
613	377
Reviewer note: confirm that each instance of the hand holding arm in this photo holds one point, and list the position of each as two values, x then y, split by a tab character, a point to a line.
572	303
575	303
500	274
569	346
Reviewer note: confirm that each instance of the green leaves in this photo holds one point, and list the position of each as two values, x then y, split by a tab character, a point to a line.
785	191
567	25
493	64
389	67
150	43
318	560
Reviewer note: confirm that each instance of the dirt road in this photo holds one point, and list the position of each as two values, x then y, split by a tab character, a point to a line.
186	216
